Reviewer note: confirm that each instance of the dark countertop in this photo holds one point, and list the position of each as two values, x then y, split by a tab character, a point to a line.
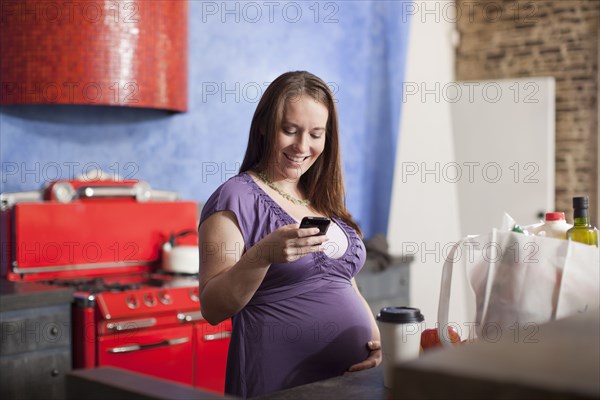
20	295
109	382
115	383
361	385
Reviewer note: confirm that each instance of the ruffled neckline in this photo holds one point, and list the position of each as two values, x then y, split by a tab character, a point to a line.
354	243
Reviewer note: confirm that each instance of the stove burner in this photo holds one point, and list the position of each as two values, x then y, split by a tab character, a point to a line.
173	279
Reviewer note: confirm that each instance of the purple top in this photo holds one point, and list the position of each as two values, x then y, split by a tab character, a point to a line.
305	322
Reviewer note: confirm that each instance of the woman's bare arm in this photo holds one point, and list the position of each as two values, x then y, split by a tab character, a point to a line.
230	274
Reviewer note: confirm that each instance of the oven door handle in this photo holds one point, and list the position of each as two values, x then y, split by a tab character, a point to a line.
190	317
133	324
216	336
138	347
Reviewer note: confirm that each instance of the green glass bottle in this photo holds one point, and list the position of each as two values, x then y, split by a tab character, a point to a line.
582	230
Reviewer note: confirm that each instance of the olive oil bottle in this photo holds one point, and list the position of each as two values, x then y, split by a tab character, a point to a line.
582	230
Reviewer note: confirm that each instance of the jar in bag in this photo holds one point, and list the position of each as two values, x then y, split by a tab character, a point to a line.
555	226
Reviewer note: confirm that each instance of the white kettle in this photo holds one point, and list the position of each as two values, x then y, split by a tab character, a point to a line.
182	259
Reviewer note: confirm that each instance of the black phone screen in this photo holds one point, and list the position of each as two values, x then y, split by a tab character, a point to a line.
319	222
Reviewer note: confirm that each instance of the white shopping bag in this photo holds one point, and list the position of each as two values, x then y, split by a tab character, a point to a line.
520	280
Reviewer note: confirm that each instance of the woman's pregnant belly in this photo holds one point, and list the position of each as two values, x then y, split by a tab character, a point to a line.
313	336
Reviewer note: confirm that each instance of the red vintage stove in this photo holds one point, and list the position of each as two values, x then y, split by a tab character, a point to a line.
104	239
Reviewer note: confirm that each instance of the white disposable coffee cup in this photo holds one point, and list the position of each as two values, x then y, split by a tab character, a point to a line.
400	329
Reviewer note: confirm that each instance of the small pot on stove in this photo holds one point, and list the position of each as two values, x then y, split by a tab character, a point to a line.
180	259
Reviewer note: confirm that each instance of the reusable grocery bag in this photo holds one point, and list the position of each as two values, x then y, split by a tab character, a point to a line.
520	280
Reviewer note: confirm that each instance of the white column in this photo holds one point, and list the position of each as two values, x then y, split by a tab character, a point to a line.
424	216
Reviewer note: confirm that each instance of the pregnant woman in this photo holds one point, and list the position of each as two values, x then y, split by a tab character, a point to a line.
298	316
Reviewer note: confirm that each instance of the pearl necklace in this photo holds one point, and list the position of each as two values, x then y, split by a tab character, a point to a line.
263	177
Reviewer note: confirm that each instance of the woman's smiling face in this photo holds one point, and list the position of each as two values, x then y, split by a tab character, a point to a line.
300	139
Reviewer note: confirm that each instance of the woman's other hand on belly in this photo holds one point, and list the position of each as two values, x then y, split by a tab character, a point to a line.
372	361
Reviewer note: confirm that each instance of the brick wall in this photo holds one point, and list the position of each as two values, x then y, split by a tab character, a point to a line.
508	39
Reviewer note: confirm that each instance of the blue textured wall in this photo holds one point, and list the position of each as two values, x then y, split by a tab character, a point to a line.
236	49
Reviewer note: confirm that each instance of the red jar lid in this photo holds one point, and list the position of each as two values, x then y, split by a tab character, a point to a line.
555	216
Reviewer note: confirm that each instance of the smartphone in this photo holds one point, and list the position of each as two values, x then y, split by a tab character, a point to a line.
316	222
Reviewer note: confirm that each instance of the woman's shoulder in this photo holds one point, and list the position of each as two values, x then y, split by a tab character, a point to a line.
240	185
232	195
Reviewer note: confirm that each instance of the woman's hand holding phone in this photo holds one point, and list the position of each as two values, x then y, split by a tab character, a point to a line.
289	243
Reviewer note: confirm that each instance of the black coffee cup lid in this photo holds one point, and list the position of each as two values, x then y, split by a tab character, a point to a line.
400	315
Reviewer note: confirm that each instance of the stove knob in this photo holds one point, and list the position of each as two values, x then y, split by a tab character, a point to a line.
132	302
149	300
194	294
165	297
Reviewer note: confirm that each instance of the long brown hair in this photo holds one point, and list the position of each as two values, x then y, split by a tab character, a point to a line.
323	182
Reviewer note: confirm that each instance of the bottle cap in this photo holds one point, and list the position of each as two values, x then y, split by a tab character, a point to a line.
580	202
400	315
555	216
